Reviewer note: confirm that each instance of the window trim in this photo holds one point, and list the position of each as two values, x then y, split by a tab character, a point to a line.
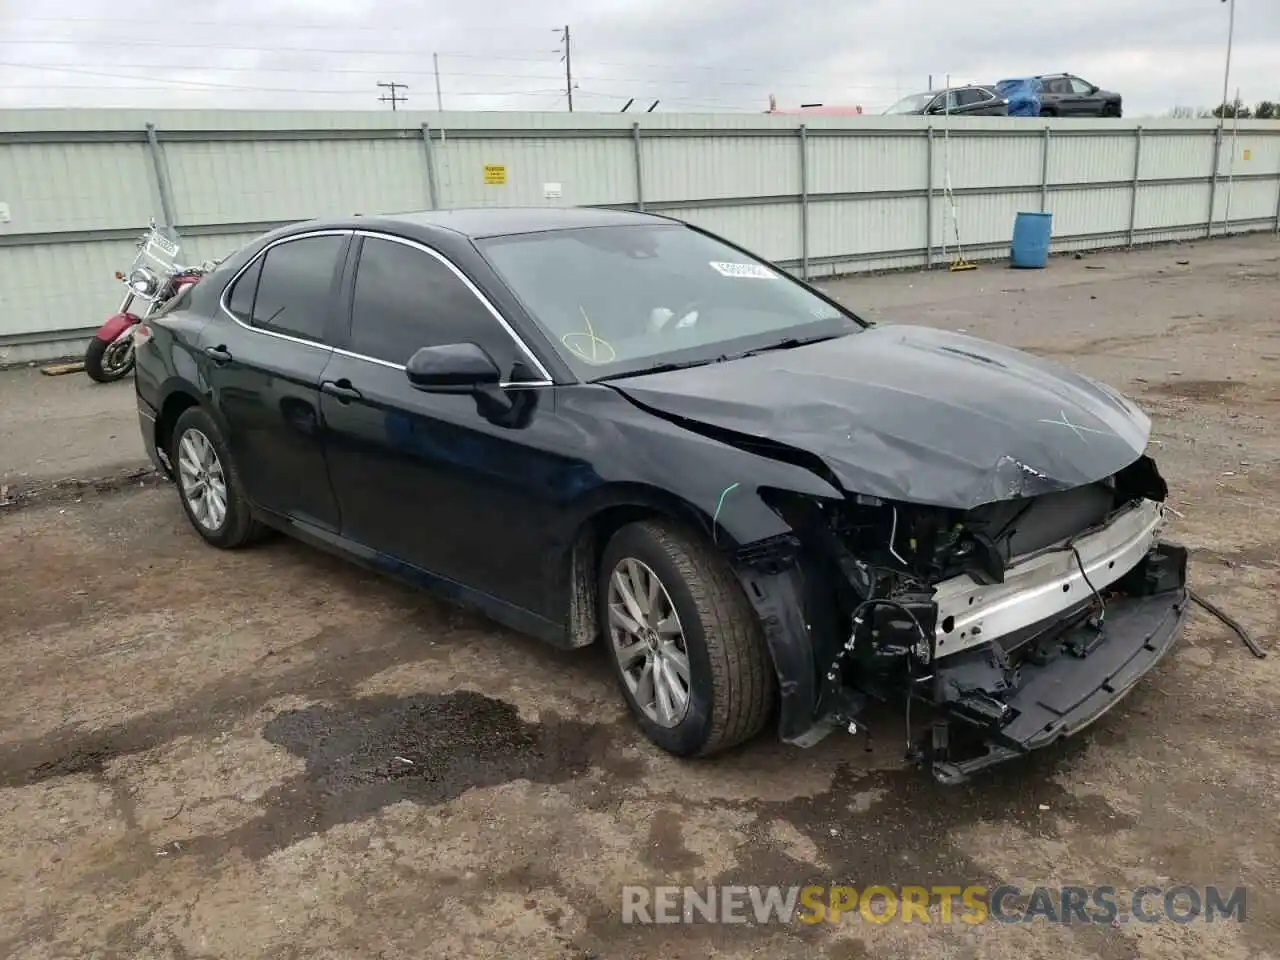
521	346
222	297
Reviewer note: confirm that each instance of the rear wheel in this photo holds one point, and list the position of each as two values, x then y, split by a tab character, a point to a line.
107	362
208	483
684	642
1048	112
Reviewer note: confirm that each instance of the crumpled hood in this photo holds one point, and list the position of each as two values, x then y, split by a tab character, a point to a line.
913	414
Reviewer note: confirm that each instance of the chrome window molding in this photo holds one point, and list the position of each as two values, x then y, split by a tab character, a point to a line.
545	381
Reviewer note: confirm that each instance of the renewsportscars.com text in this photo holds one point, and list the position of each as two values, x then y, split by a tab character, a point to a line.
972	904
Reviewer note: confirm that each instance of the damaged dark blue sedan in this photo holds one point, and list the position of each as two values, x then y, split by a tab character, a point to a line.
598	425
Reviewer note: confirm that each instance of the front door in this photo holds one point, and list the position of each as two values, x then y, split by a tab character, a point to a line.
458	485
263	366
1085	98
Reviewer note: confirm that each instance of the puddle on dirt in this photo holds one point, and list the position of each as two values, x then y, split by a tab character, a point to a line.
365	754
426	748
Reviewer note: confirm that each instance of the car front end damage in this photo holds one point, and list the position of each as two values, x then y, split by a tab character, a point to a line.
1009	625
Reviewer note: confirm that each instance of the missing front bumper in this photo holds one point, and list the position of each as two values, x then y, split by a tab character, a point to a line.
1066	684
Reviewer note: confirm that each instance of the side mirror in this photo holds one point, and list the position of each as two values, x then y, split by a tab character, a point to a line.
452	368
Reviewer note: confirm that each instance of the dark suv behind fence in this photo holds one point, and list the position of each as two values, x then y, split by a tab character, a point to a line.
1066	95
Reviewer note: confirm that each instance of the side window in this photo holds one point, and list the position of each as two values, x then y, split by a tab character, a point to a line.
295	286
406	299
1080	86
240	302
1059	86
970	97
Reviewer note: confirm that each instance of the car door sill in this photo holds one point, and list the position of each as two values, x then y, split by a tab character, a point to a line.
508	614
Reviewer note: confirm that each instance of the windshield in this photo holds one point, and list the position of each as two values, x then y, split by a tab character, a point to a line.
912	104
616	300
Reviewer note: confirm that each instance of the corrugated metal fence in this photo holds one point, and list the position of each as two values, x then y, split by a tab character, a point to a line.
830	196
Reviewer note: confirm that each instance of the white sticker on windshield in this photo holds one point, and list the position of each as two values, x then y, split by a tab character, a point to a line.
754	270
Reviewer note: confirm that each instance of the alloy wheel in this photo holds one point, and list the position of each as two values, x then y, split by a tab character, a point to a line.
118	356
204	485
648	641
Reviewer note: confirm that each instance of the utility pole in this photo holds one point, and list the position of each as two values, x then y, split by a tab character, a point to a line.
567	57
435	60
393	99
1226	77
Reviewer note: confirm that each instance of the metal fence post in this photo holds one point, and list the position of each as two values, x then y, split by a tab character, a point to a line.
635	142
1213	181
161	174
804	201
1278	201
1044	172
432	188
1137	168
928	210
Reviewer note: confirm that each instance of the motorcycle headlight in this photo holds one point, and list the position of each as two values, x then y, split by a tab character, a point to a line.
144	283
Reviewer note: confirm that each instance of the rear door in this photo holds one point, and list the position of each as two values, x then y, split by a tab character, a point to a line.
1056	94
458	485
986	103
970	102
262	361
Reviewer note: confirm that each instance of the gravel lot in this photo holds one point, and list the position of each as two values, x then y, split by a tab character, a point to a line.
202	754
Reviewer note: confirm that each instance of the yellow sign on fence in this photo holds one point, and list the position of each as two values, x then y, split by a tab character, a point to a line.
495	173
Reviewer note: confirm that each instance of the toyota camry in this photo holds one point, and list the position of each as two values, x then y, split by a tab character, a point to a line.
609	426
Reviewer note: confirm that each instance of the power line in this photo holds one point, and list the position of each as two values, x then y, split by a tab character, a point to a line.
168	83
592	78
776	77
381	51
392	99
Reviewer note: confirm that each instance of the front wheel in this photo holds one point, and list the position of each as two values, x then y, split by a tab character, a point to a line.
107	362
684	642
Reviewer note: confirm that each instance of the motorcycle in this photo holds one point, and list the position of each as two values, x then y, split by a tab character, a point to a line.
155	278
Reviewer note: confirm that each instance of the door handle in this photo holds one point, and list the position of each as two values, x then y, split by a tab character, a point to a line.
220	353
342	389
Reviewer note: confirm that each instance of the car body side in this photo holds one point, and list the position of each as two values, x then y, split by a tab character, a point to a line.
580	462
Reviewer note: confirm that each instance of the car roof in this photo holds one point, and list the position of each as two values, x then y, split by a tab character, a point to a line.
941	90
479	222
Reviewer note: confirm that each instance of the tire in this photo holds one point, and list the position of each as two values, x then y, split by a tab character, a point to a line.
1048	112
730	679
93	365
237	526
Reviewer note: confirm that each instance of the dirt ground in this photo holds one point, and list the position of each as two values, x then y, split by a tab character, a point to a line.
272	753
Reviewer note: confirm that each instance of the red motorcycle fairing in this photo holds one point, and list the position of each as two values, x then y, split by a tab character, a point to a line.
115	325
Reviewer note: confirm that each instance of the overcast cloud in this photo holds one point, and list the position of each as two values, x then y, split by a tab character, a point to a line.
716	54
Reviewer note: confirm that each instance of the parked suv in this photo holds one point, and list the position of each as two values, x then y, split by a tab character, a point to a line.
1065	95
970	101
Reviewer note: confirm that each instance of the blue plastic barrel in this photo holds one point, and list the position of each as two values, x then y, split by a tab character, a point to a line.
1031	235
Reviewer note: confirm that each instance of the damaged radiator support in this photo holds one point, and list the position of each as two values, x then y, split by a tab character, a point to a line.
1053	665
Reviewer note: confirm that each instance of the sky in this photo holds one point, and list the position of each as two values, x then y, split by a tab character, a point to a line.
714	55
